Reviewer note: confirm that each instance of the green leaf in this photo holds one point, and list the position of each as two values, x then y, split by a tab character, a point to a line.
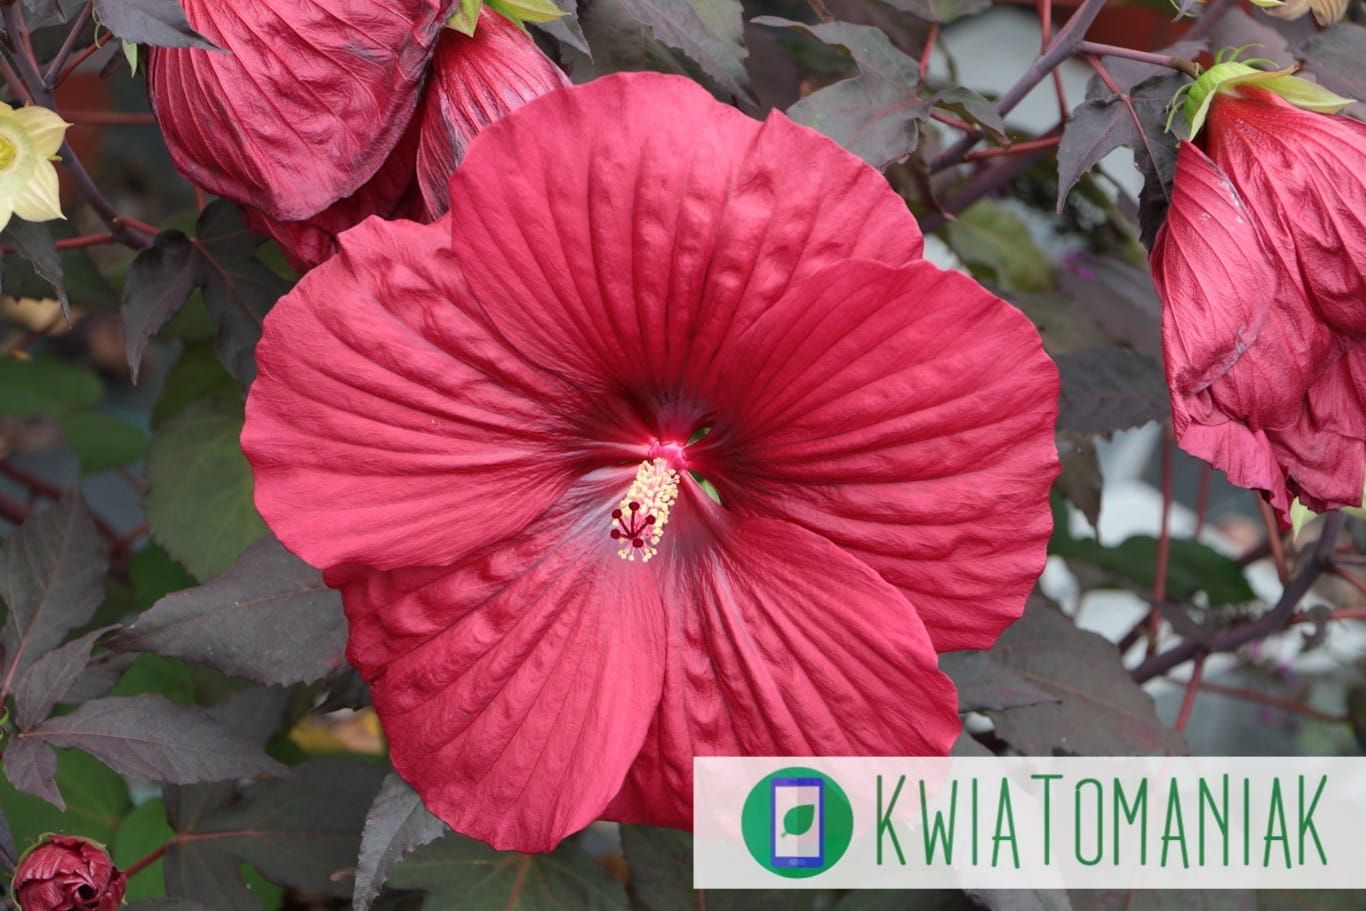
199	493
197	376
96	802
466	17
798	820
43	386
996	245
142	832
464	873
157	675
155	575
1192	567
102	441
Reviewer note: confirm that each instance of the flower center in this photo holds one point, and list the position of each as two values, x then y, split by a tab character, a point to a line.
638	521
8	152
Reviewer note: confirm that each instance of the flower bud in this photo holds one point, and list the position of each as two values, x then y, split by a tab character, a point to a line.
64	873
1228	76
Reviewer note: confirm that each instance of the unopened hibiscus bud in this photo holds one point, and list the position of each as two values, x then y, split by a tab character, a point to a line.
29	140
64	873
1261	267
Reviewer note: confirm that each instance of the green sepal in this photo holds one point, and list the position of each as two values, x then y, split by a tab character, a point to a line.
130	53
1231	73
520	11
465	19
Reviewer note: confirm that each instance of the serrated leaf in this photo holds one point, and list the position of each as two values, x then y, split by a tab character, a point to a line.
566	29
159	282
45	386
102	441
40	13
1109	389
457	870
397	824
1099	710
302	832
151	737
238	288
269	618
159	23
996	244
31	767
9	853
199	491
709	32
876	114
49	679
984	683
52	580
972	107
34	243
941	11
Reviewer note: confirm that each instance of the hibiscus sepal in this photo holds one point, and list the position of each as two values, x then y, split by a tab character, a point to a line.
1228	75
465	19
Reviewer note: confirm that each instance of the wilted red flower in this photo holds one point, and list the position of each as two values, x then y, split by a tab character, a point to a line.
63	873
349	109
495	441
1261	267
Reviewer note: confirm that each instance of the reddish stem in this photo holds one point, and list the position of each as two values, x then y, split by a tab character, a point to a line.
1192	690
110	118
930	38
951	121
1017	148
142	864
1202	498
75	243
1267	699
1164	542
1350	579
1273	539
1111	50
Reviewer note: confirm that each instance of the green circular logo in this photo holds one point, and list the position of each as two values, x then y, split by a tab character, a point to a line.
797	822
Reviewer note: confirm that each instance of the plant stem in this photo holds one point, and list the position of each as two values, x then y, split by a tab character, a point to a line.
1110	50
143	863
54	68
928	50
1267	699
1016	148
1273	539
1192	690
1273	621
1063	45
111	118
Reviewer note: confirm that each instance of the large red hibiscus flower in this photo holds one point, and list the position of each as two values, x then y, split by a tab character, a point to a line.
1261	266
495	441
328	111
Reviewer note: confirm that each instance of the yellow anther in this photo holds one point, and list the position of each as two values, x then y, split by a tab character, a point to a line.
639	519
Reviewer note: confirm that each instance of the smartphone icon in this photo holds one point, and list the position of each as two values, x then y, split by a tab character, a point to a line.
798	822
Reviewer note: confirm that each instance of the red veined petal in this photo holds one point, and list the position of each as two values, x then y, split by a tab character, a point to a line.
305	108
781	644
907	415
386	427
1305	174
391	193
475	80
516	688
1257	387
623	228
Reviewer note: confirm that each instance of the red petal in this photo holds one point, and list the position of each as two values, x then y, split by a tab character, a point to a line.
1304	173
307	106
1257	387
516	689
386	427
907	415
391	193
604	224
782	644
475	81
